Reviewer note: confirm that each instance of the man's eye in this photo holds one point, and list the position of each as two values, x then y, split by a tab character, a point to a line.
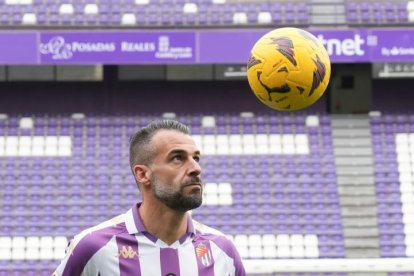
178	157
197	158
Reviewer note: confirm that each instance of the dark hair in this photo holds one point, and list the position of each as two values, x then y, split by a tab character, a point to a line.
141	149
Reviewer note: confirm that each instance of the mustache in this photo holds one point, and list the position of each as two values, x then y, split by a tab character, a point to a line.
192	180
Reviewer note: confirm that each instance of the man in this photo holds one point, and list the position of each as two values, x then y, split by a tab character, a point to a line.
157	237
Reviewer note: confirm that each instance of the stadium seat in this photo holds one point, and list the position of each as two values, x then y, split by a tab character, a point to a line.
128	19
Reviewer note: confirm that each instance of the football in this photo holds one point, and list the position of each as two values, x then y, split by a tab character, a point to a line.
288	69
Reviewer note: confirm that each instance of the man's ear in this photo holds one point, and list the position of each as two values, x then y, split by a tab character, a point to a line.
142	174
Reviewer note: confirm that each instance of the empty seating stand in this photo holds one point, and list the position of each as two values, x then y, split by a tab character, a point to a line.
152	13
393	142
194	13
270	182
383	12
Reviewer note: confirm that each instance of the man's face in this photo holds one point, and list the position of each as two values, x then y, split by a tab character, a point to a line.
176	171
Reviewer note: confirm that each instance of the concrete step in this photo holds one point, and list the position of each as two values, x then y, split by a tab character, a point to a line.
359	222
359	253
359	211
349	116
354	170
360	191
362	242
355	181
353	161
353	152
350	123
327	9
357	232
352	142
358	201
344	132
326	19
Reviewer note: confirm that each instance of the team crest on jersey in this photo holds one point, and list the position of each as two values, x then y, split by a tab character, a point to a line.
204	254
127	253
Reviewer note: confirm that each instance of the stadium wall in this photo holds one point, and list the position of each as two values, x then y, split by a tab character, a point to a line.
111	97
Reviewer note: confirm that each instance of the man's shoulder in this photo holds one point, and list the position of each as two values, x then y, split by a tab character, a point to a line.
207	233
82	251
206	230
111	226
97	236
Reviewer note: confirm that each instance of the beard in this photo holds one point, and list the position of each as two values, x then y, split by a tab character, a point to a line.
175	198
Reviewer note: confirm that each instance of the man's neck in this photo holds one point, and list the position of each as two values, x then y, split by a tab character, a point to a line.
162	222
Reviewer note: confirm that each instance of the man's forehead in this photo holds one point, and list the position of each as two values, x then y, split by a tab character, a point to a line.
169	139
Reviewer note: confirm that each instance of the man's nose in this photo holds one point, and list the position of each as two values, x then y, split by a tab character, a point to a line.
195	168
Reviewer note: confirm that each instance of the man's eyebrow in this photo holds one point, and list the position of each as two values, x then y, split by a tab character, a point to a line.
180	151
176	151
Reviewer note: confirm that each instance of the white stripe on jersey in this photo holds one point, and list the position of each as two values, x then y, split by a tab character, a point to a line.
188	260
219	254
107	268
150	264
129	222
90	267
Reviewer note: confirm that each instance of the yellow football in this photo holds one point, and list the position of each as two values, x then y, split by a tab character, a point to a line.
288	69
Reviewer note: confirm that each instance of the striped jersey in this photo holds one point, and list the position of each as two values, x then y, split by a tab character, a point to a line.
123	247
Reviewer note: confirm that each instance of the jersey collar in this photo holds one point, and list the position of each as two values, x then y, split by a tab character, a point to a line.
135	225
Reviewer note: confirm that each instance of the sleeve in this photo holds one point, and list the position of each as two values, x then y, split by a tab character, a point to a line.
238	262
81	257
68	251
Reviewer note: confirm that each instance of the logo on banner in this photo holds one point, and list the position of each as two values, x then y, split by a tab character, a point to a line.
59	49
352	46
165	50
397	51
204	254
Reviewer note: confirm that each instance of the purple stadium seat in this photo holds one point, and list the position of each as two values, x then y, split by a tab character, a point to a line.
352	17
390	17
152	19
203	19
403	16
365	16
303	18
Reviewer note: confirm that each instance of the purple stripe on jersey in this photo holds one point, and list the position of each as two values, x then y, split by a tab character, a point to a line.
169	262
150	237
190	225
128	255
190	230
205	261
140	225
137	218
88	246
